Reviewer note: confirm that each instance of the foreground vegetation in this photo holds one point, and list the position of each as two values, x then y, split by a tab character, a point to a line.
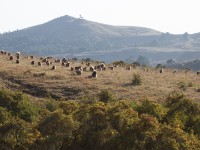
103	123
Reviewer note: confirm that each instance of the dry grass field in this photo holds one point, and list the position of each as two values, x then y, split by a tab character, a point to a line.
62	83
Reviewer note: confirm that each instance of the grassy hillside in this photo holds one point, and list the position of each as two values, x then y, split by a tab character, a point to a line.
63	83
121	109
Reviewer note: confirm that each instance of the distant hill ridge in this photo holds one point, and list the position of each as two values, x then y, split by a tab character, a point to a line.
77	25
74	37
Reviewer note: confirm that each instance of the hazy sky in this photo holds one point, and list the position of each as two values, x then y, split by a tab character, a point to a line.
174	16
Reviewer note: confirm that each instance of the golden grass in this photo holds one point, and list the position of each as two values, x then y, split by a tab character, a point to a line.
64	83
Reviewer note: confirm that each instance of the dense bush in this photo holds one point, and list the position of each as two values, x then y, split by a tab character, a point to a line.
152	108
18	104
4	115
183	85
17	134
183	113
105	96
57	131
51	105
68	107
136	80
119	63
104	124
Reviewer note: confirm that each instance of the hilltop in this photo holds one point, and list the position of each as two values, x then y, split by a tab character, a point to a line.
74	37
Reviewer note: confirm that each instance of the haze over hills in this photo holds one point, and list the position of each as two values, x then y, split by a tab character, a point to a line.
74	37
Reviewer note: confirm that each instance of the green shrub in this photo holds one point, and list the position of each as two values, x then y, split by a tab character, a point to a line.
136	80
4	115
159	66
17	134
182	112
69	106
18	104
152	108
57	131
51	105
183	85
119	63
105	96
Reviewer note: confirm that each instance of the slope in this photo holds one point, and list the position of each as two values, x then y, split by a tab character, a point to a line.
73	37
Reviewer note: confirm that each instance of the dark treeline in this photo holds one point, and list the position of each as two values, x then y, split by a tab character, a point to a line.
102	124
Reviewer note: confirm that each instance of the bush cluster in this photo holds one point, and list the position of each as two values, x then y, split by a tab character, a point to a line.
104	124
137	79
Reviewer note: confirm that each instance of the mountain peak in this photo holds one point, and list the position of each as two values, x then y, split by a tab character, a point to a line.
64	18
82	25
77	37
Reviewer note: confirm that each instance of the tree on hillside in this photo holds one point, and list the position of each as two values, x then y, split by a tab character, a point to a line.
170	61
143	60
